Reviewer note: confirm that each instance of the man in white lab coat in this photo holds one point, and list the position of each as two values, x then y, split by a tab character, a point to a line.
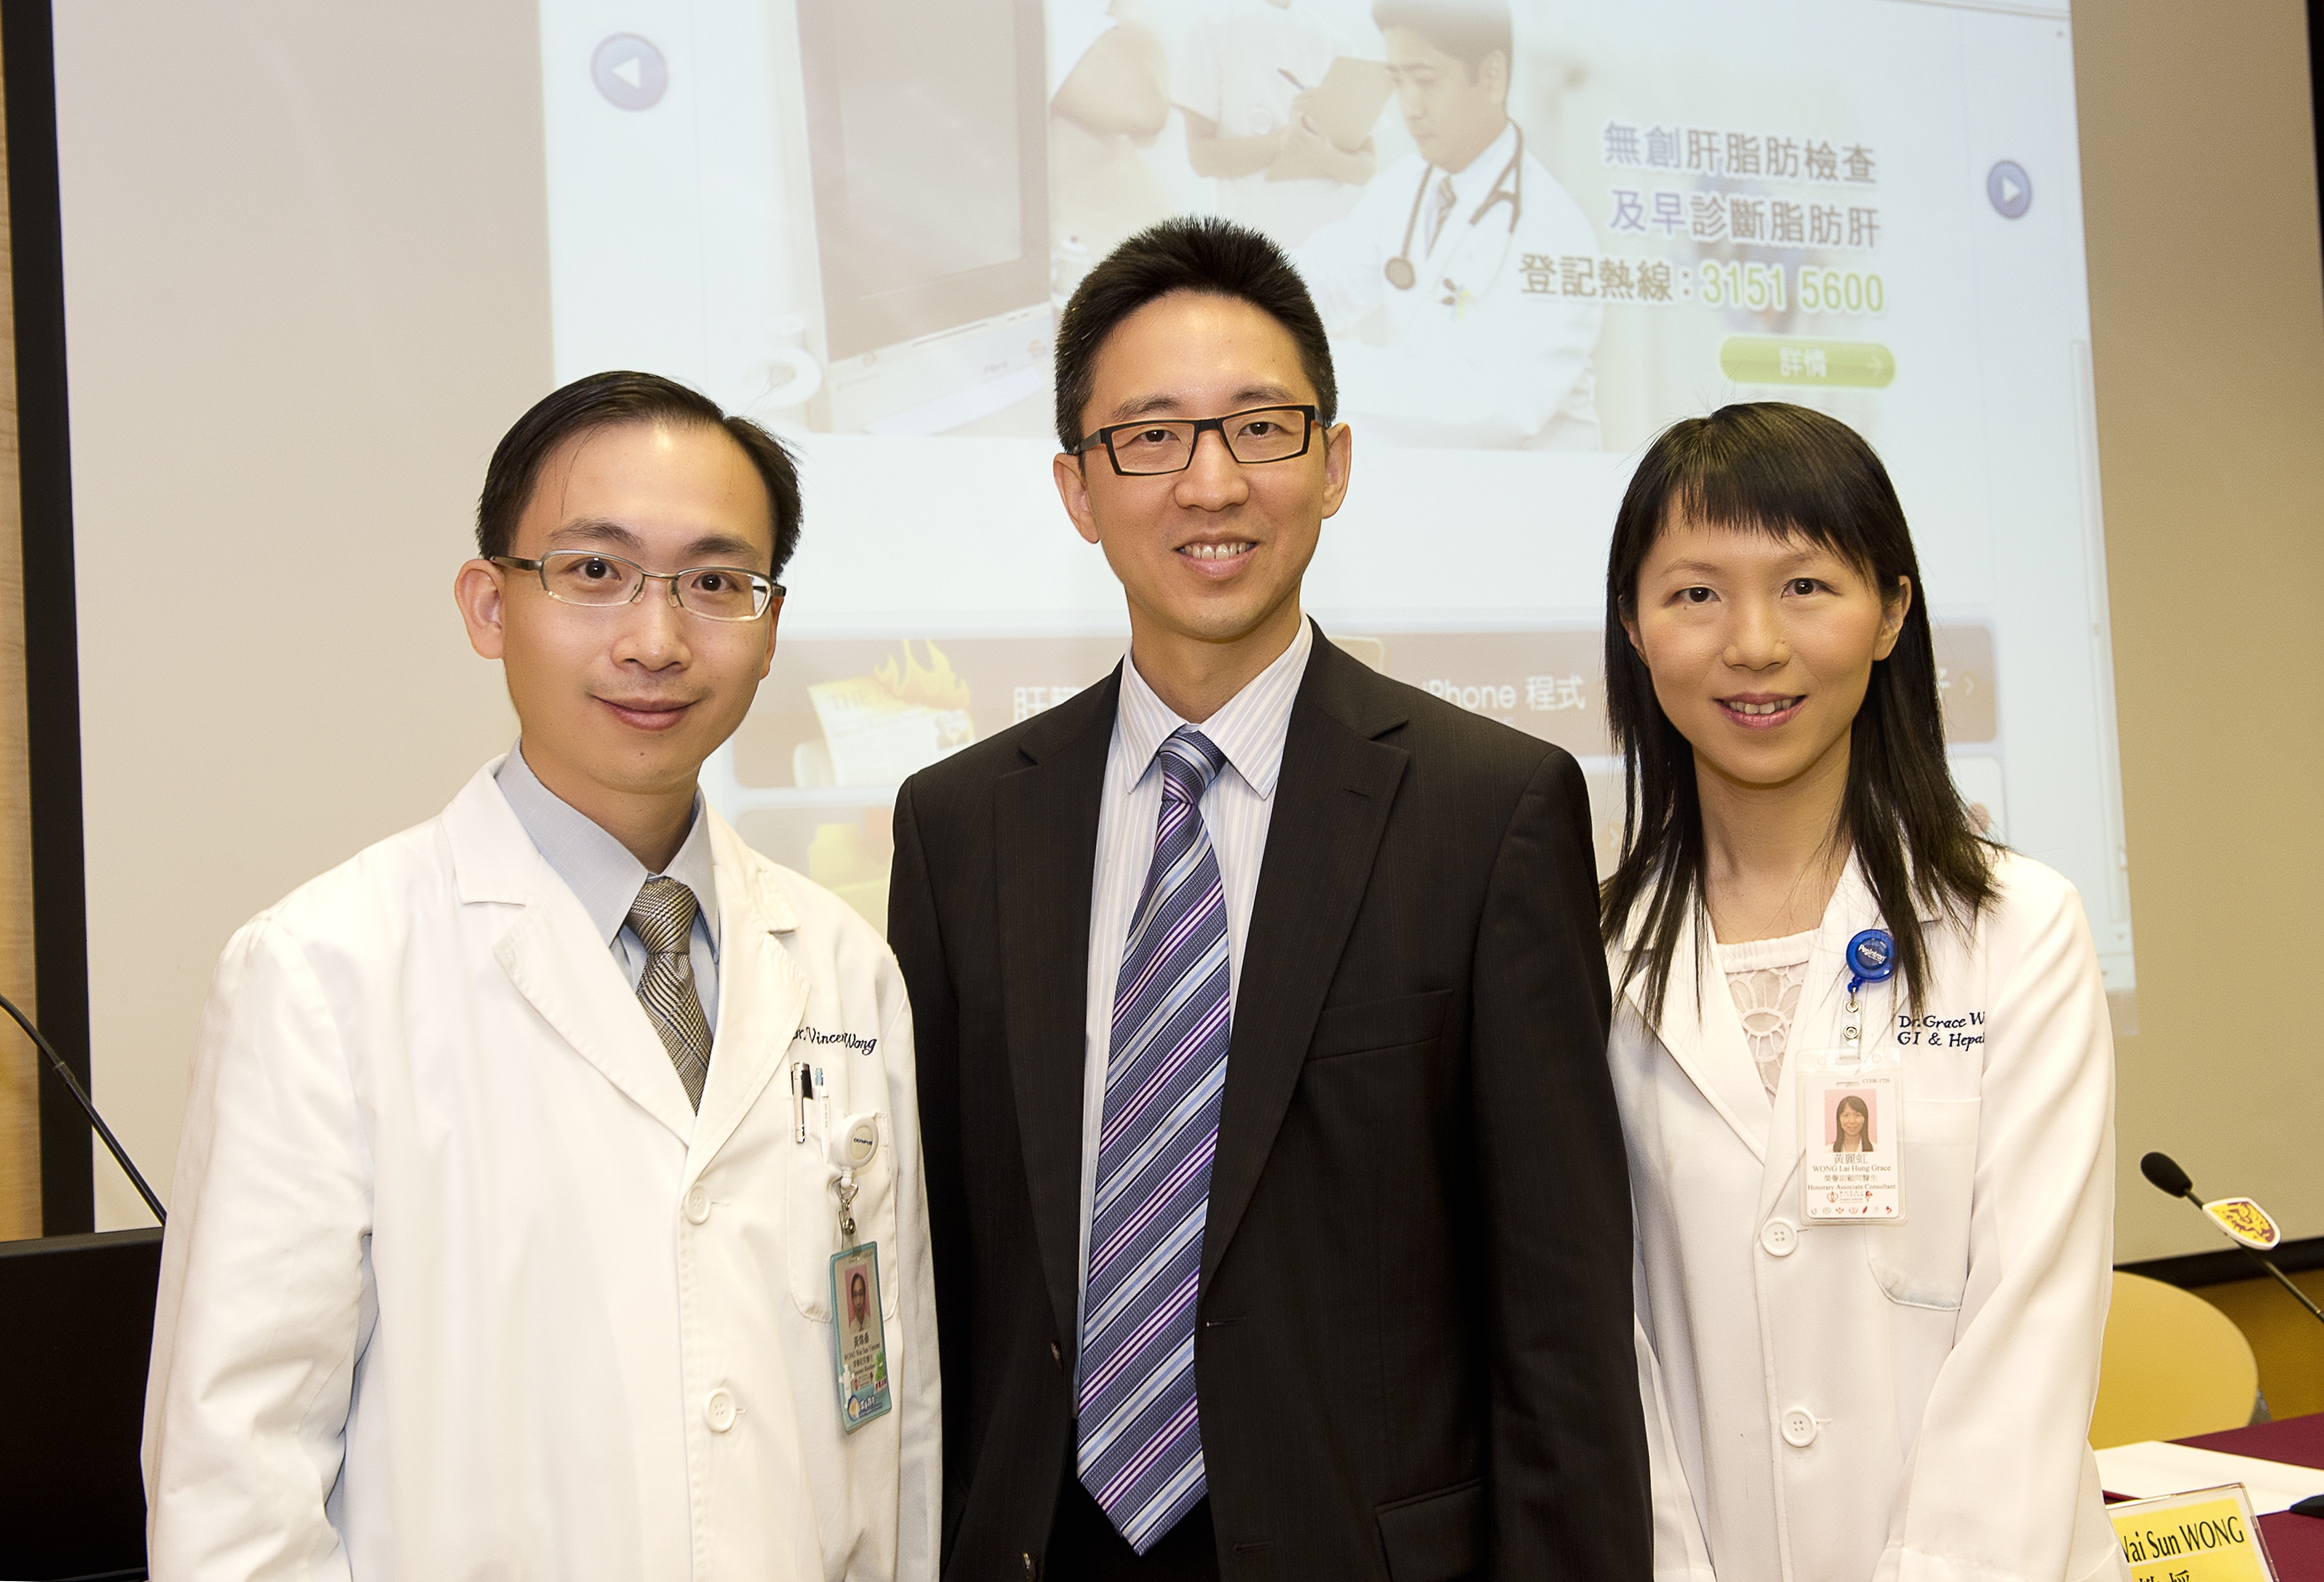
525	1151
1443	288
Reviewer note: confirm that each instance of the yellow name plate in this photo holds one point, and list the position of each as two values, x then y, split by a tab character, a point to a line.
2208	1535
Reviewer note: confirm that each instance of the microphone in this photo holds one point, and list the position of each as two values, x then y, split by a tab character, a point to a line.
88	1108
2164	1172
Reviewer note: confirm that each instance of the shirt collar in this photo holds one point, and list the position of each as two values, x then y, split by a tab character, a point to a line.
597	868
1249	729
1474	182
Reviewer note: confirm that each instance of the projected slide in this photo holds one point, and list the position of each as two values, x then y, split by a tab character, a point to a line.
857	220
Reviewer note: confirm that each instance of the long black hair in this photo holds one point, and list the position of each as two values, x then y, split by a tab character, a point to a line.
1863	1139
1772	468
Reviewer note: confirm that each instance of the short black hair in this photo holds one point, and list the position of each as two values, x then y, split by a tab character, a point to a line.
1466	30
602	400
1194	252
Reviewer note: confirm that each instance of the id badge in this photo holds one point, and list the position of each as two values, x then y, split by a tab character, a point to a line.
1852	1137
859	1335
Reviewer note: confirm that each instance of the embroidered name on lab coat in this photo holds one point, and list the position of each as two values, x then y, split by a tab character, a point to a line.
1939	1031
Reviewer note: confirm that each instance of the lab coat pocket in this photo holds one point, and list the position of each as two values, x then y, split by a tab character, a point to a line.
812	1233
1924	1263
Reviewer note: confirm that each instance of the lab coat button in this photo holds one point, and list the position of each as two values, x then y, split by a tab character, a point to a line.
1799	1428
1778	1237
719	1410
697	1204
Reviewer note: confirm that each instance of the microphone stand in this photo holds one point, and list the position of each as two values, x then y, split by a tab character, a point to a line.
113	1143
2282	1279
2164	1174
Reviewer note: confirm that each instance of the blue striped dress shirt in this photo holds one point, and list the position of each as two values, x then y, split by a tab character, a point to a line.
1250	729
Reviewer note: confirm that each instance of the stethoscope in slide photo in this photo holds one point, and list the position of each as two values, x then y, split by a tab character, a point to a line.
1508	188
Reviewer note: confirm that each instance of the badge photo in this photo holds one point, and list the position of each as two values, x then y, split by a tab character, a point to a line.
1850	1124
1852	1168
859	1336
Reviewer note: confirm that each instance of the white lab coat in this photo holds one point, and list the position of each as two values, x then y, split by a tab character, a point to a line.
456	1286
1477	353
1838	1403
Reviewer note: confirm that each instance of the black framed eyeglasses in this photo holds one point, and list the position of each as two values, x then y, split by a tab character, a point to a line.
1161	445
586	577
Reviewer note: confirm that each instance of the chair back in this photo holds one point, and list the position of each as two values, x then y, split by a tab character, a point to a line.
2173	1366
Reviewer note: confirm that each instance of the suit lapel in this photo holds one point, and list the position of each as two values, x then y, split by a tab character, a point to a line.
1045	843
552	954
1332	804
1699	1028
1815	1028
763	992
557	963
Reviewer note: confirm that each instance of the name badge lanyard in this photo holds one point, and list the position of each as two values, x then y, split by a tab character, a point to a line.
858	1332
1508	188
1851	1116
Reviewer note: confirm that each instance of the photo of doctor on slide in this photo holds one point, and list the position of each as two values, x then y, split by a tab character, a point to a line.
1422	283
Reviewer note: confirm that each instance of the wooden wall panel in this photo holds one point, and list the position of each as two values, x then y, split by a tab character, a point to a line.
20	1107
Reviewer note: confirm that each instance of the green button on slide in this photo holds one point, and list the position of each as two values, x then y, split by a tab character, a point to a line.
1760	359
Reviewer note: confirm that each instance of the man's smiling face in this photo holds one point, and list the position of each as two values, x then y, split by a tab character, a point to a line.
627	700
1212	554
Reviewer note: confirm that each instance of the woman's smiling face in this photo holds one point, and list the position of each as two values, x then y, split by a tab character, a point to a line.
1760	648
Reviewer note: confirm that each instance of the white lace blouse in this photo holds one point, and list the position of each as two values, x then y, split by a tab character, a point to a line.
1764	977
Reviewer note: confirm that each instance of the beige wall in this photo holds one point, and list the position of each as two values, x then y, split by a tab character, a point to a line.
19	1110
353	189
2208	335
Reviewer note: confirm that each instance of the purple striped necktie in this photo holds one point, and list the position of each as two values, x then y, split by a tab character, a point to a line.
1140	1436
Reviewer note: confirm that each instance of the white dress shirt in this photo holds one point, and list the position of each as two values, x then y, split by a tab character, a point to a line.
600	871
1249	730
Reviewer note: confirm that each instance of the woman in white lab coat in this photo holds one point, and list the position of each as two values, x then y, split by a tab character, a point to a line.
1855	1364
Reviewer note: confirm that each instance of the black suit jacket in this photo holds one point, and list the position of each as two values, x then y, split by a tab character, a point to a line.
1415	1358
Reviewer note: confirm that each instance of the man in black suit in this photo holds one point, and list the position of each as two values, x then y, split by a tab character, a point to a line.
1276	1192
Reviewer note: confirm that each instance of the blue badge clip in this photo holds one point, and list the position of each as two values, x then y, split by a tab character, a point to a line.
1871	959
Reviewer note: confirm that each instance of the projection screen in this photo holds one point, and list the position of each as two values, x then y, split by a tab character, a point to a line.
857	219
316	259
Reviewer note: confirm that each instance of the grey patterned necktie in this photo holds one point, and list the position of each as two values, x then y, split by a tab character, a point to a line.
663	916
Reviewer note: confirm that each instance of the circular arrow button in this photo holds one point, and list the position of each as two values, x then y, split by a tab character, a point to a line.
2009	189
630	71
